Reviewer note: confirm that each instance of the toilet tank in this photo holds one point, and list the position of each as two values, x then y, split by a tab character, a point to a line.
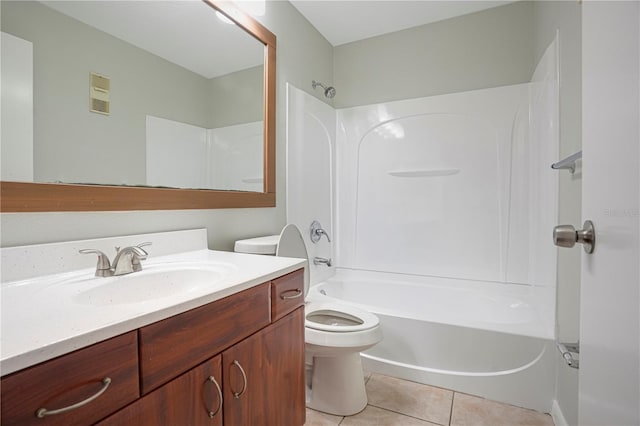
259	245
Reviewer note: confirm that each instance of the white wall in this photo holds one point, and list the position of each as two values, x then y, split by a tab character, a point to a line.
486	49
240	94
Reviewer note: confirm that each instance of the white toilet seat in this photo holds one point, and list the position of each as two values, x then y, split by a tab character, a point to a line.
339	318
331	340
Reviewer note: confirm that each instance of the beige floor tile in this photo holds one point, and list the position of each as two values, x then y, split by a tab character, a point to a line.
316	418
413	399
373	416
474	411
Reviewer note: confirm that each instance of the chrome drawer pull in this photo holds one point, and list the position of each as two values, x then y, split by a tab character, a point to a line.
213	413
43	412
297	291
244	380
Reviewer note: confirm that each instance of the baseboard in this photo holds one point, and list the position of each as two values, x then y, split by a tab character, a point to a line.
556	415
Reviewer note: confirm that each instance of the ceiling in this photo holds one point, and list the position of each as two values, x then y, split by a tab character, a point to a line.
345	21
186	33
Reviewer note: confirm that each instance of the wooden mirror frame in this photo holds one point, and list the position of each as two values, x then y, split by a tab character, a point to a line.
49	197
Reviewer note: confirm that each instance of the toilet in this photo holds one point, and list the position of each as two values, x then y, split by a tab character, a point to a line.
335	334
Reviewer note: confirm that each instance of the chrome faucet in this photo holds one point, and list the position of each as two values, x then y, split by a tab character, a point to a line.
317	232
127	260
321	261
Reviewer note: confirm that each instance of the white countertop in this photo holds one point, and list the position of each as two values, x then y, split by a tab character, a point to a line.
42	317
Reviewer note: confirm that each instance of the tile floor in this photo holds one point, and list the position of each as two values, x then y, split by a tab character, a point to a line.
396	402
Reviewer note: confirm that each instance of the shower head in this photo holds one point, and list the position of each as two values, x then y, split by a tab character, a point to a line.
329	91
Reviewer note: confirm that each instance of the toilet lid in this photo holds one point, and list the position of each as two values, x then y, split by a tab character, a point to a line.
291	244
337	317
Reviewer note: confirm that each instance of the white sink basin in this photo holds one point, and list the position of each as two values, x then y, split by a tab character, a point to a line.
153	282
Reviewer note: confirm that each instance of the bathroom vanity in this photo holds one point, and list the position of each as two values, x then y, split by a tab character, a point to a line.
232	354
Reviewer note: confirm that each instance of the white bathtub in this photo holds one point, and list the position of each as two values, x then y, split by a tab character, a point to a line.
489	339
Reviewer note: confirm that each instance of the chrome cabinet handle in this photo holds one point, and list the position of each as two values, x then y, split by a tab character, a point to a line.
244	380
297	294
213	413
43	412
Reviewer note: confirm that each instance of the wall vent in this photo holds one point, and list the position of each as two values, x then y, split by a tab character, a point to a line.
99	87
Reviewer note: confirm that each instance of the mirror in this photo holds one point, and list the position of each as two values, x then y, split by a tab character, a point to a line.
152	96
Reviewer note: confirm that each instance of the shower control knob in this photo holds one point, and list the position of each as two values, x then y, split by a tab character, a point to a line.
567	236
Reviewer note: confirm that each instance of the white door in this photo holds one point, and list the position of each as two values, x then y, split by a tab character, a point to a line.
609	389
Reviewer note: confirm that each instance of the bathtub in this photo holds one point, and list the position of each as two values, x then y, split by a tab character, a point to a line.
488	339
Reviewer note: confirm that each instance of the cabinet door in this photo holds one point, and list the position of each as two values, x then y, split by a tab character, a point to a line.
263	376
191	399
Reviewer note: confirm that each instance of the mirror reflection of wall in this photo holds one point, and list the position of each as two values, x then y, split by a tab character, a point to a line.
224	157
157	72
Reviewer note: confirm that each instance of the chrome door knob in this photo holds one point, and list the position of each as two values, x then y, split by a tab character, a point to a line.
567	236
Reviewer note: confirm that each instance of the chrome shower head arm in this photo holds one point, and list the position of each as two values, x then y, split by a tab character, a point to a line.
329	91
315	84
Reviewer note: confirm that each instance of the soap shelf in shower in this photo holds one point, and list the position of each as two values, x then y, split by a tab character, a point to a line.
424	173
568	163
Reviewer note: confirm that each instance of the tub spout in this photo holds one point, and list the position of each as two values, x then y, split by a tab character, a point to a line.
321	261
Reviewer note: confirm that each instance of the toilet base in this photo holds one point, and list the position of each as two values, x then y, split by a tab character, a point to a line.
337	385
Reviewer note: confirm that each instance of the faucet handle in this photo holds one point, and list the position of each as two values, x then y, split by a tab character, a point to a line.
103	267
148	243
138	255
316	232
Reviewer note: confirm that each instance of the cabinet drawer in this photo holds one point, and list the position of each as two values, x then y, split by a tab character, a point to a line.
71	378
287	294
172	346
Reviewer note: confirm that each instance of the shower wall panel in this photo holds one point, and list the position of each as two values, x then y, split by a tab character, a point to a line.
236	157
186	156
428	186
534	185
310	174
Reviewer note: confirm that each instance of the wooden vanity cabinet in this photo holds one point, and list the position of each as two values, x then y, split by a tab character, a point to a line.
248	346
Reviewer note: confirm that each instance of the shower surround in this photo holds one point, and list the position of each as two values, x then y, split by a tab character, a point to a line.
443	208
